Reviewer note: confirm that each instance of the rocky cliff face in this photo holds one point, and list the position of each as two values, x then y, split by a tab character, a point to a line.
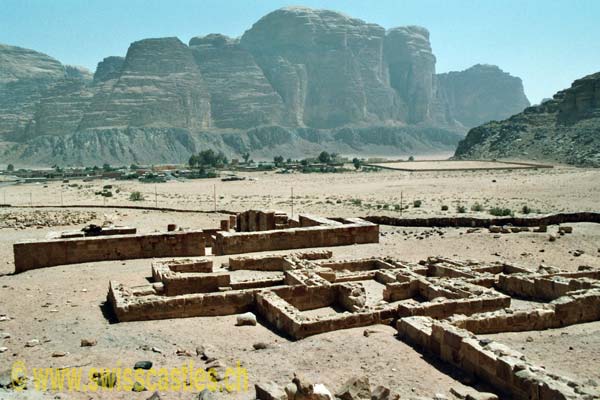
240	94
24	75
481	94
159	85
565	129
311	77
327	67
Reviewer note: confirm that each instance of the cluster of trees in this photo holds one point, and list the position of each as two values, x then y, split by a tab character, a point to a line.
208	158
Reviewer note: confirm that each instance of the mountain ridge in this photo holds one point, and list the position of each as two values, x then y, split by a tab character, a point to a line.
296	68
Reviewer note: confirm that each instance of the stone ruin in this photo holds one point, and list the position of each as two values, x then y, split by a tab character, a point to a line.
438	305
247	232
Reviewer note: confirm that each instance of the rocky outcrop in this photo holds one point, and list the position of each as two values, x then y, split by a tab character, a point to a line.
24	75
327	67
481	94
240	94
298	77
565	129
108	69
412	71
160	85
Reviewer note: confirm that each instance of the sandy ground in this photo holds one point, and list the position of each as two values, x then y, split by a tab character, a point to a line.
60	306
450	165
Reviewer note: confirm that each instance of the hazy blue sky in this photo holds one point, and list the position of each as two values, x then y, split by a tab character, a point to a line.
548	43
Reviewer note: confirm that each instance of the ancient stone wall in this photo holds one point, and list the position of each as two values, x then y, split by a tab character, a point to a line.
48	253
316	236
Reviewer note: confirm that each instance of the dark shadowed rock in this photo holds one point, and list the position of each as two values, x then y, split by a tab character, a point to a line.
564	129
109	68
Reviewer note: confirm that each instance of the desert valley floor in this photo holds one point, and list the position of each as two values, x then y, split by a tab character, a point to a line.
59	306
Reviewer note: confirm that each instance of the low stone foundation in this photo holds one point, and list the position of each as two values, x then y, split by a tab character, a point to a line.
47	253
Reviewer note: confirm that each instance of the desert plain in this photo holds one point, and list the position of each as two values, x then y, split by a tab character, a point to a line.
60	306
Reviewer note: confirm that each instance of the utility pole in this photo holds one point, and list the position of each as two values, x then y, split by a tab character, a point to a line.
401	203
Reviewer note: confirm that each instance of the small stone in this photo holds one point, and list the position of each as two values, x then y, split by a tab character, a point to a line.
143	365
355	388
59	354
32	343
552	237
246	319
156	350
4	335
155	396
529	339
380	393
106	379
261	346
3	349
269	391
88	342
290	390
183	353
138	387
206	395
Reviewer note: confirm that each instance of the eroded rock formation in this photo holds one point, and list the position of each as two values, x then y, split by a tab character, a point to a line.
564	129
298	81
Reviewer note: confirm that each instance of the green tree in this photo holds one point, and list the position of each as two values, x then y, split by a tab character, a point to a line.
246	157
193	161
106	167
278	160
10	168
411	158
325	157
357	163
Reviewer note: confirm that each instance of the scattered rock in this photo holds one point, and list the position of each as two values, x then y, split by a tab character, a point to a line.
156	350
269	391
88	342
183	353
246	319
472	394
4	335
290	390
3	349
261	346
138	387
206	395
143	365
356	388
59	354
381	393
105	379
552	237
155	396
32	343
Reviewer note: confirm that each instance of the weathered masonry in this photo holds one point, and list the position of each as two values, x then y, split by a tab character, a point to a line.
48	253
250	231
438	305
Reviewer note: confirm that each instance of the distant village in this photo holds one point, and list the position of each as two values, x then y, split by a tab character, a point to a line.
206	164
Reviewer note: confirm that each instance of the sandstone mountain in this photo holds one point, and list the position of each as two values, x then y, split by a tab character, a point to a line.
564	129
298	81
